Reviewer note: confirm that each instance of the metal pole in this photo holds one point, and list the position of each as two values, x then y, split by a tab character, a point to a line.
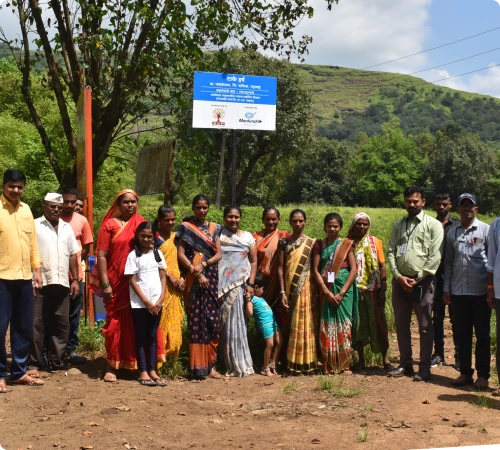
233	196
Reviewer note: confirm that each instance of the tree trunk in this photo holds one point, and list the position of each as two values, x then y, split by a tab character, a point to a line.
221	171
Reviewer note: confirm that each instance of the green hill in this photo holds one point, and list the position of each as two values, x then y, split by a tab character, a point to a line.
349	101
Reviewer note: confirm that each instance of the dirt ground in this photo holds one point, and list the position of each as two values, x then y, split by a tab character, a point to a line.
367	410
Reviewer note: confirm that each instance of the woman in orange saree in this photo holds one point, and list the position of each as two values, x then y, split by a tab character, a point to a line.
115	241
267	241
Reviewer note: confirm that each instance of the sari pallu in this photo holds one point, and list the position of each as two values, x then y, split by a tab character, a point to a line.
173	312
337	322
234	271
202	305
301	351
118	331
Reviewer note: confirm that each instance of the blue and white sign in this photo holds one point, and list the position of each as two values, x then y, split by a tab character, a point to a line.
234	101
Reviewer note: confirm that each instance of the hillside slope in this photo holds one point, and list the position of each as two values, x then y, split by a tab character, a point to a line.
349	101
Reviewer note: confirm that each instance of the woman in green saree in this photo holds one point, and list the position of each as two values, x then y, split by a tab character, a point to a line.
334	269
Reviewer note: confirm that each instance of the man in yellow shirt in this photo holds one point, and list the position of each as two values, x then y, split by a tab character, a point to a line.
19	255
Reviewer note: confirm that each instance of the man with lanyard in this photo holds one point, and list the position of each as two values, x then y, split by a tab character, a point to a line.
19	255
493	296
414	255
465	287
83	235
58	249
442	205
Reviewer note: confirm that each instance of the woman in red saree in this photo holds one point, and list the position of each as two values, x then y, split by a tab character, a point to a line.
267	264
114	243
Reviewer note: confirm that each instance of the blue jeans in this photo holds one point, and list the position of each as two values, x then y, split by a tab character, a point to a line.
16	308
75	307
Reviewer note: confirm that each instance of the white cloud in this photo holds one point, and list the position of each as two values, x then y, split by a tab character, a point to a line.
361	33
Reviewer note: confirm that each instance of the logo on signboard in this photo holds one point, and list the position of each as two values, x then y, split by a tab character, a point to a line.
218	114
249	115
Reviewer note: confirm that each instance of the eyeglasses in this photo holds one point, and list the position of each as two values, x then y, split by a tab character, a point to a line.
54	207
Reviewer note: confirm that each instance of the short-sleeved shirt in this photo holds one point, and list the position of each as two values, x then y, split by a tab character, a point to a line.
148	277
56	248
262	312
83	235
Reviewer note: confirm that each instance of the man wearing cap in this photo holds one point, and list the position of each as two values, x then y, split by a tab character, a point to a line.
19	255
59	250
465	287
414	255
83	235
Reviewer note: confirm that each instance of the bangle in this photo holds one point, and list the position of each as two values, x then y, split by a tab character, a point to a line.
190	265
282	293
105	285
208	263
252	285
490	287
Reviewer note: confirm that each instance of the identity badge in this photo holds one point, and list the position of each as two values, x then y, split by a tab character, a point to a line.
402	249
331	277
461	247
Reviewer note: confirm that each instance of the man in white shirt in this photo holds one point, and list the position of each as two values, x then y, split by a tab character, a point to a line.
58	250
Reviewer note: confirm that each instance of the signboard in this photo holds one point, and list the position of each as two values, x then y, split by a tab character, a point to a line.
234	101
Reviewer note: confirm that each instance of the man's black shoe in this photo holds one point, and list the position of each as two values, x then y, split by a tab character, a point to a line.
437	360
402	371
422	376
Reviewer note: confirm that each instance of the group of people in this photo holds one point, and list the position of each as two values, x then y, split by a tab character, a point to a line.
317	302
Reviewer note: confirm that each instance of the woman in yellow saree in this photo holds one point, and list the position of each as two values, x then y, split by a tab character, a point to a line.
298	295
173	312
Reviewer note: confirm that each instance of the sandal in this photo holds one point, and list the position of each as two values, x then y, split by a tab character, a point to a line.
214	374
495	393
110	377
159	382
3	387
273	369
28	381
146	382
266	371
33	373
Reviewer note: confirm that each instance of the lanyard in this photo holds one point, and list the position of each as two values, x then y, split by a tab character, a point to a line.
408	236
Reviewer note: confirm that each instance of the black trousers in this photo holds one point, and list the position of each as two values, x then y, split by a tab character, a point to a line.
146	328
51	321
473	313
438	315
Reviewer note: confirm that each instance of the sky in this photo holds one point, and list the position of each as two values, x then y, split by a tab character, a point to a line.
361	33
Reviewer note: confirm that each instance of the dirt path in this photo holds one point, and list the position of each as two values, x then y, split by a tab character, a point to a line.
359	411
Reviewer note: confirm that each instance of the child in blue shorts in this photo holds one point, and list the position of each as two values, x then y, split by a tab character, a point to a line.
266	322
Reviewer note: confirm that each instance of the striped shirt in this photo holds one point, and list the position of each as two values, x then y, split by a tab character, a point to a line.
465	259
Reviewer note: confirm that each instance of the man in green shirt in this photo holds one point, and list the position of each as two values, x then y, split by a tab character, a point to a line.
414	255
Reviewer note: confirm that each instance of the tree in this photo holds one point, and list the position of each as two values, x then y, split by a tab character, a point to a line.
137	56
461	163
324	176
387	164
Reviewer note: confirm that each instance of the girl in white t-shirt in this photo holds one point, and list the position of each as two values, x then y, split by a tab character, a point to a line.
146	267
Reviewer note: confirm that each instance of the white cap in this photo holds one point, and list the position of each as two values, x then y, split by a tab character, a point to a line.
54	198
